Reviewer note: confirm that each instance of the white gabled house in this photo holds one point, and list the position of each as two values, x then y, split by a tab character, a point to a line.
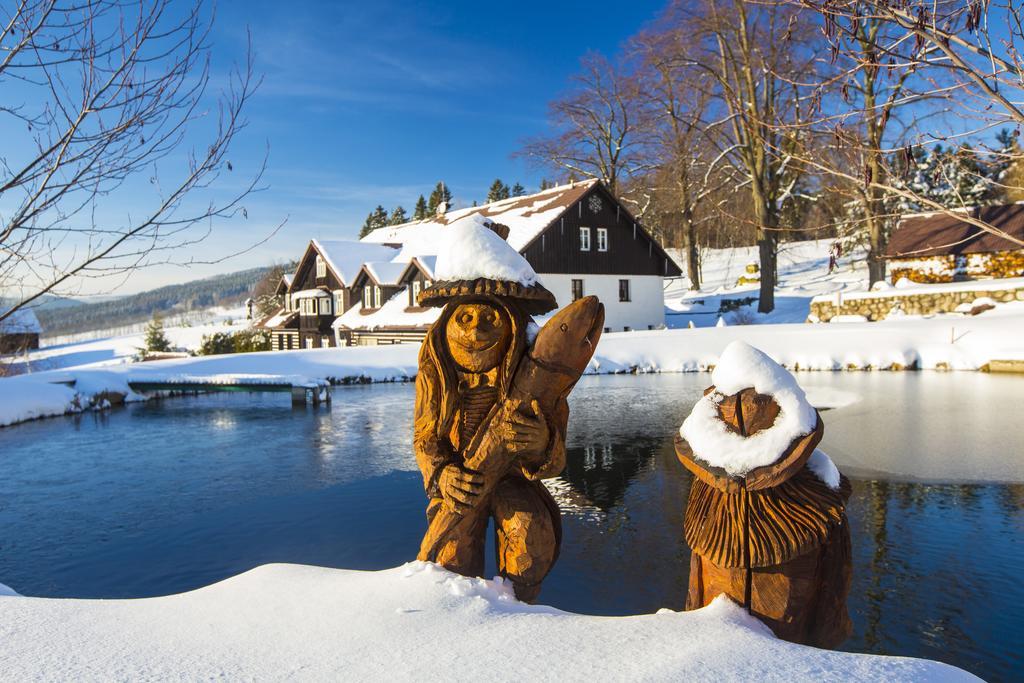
578	238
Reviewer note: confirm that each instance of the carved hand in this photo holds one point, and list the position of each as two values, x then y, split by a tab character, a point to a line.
528	435
460	487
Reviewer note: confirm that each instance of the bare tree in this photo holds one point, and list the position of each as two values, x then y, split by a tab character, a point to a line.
964	55
595	127
752	53
106	94
674	104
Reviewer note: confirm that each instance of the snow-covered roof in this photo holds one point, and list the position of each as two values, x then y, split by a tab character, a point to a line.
425	264
385	273
278	319
471	250
526	217
310	293
22	321
392	314
346	257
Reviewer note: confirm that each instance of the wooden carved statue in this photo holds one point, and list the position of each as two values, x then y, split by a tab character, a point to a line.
775	539
490	423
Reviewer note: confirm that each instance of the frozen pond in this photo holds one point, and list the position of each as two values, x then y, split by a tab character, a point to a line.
169	496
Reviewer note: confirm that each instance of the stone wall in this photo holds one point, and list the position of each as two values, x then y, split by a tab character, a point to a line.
933	269
880	306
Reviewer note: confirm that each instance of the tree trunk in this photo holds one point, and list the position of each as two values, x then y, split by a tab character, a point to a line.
766	253
690	249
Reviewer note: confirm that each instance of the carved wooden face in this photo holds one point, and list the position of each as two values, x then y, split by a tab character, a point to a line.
479	336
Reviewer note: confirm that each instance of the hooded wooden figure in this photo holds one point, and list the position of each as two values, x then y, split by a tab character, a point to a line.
490	422
775	540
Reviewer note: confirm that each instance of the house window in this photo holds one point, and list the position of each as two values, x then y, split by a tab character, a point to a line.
339	302
624	290
577	289
321	267
367	297
417	286
376	296
584	239
309	342
602	239
325	306
325	342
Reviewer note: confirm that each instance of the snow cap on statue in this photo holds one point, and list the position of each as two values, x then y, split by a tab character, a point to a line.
475	260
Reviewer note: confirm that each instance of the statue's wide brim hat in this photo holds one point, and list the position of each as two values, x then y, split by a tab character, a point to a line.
533	299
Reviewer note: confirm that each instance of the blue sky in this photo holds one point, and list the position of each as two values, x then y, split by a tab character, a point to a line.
367	103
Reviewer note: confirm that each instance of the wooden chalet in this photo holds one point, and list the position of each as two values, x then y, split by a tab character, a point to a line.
20	331
579	239
939	247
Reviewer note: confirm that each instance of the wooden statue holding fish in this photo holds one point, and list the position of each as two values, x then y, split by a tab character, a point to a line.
491	410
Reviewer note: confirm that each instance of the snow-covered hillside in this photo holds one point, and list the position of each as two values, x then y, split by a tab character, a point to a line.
105	347
803	274
416	622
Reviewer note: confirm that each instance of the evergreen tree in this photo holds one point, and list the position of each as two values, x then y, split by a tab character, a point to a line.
440	194
545	184
378	218
1007	169
398	216
518	190
420	212
156	340
498	191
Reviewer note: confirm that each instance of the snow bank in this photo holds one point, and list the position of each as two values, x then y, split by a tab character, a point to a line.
960	344
25	398
740	367
286	622
471	250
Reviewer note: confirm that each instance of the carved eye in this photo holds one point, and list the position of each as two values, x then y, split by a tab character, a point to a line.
465	318
563	327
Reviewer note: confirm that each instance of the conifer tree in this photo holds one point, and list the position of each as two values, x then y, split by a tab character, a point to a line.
498	191
545	184
440	194
156	340
1007	169
420	212
398	216
378	218
518	190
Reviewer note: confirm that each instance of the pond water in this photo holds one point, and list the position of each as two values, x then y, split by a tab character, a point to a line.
171	495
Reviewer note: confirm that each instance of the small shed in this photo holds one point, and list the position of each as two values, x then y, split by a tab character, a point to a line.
20	331
940	247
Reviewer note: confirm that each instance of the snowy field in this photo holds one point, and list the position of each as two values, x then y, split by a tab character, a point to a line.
287	622
953	342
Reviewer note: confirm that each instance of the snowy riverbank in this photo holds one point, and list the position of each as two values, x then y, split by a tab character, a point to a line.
281	622
954	343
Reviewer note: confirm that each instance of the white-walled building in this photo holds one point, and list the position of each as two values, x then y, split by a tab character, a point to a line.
578	238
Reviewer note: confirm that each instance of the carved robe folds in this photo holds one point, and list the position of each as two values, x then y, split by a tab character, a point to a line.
776	540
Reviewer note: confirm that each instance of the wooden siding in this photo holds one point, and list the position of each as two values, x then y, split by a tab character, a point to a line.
631	251
305	274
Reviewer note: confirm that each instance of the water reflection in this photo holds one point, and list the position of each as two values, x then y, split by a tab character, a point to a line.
165	497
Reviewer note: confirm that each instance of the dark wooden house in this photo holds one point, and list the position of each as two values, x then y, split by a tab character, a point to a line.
939	247
19	332
579	239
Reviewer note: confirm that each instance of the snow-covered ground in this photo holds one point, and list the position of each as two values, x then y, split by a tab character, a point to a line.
954	341
114	346
415	622
803	274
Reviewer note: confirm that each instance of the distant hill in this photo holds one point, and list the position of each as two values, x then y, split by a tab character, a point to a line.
71	316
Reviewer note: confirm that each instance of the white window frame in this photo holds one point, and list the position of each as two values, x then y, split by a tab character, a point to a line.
321	266
417	287
309	343
602	239
325	305
367	296
584	239
339	302
376	296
